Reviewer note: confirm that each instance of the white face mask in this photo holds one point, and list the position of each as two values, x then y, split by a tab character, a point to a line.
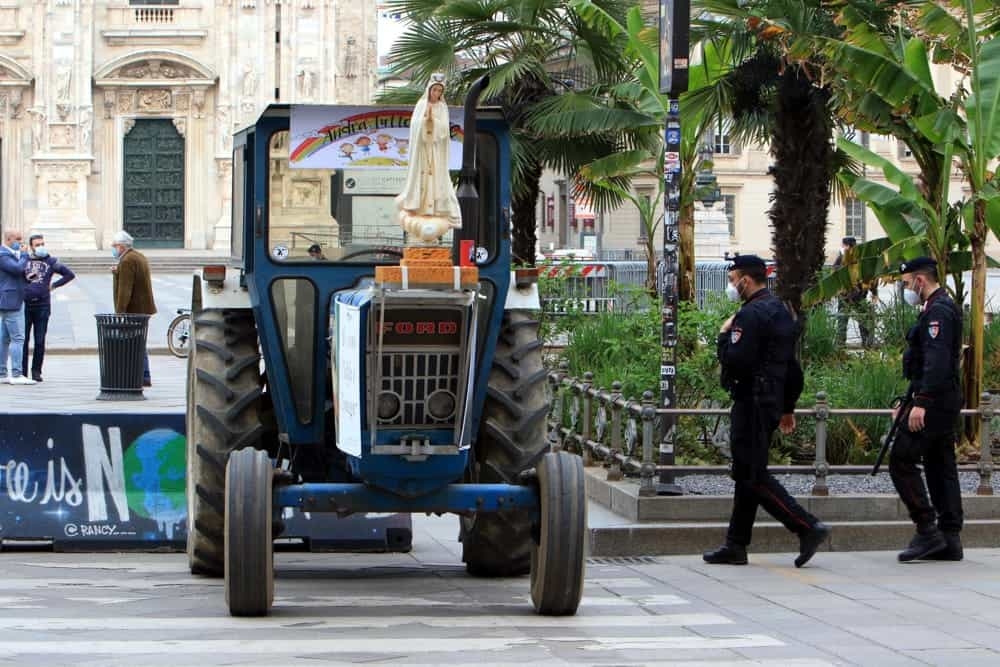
911	296
732	292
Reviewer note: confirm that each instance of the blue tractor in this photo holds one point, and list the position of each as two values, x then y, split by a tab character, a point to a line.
312	386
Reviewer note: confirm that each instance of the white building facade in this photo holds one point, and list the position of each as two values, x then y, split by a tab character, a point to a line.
118	114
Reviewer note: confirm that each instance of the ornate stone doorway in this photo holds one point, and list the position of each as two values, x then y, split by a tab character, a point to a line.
153	191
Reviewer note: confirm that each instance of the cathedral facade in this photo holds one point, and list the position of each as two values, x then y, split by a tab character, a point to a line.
119	114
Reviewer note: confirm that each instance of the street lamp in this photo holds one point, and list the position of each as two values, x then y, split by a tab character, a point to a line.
706	186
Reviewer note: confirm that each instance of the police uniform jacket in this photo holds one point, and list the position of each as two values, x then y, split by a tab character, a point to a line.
758	355
931	360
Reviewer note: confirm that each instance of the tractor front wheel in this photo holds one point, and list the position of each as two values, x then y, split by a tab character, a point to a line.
558	560
512	439
224	401
249	547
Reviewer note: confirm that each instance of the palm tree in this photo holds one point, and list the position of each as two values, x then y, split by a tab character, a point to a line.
532	50
771	93
637	104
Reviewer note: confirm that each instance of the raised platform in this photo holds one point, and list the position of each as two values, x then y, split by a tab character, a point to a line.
630	525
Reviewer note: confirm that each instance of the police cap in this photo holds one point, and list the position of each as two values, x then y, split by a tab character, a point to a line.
747	263
918	263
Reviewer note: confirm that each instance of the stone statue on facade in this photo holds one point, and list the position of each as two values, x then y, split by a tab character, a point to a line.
249	80
428	205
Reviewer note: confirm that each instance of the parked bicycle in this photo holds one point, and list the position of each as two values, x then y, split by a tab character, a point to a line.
179	333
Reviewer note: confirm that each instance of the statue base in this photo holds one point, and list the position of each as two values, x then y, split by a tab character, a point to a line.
426	268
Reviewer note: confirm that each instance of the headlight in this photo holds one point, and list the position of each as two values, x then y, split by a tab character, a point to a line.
441	404
389	406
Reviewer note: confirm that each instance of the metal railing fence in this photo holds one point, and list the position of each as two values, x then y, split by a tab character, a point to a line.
605	426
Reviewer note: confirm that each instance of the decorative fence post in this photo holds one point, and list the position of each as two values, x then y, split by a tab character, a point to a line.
987	410
555	435
613	465
648	469
822	410
588	416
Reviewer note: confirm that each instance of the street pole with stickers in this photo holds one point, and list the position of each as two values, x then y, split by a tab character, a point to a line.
675	25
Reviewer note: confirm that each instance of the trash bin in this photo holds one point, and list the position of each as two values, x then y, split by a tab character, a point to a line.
121	347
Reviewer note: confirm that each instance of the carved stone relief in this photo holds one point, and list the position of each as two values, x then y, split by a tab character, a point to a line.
306	81
198	100
154	100
62	136
305	194
181	125
351	58
222	125
86	128
154	69
62	194
127	125
37	129
124	102
182	101
109	103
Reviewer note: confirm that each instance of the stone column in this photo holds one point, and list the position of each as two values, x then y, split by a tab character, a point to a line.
14	138
223	226
62	129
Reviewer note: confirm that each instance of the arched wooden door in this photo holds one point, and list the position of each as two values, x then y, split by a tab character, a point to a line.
154	184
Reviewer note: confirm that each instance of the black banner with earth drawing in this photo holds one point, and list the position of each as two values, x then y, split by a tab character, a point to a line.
106	481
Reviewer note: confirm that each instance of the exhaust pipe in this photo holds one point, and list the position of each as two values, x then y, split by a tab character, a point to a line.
468	195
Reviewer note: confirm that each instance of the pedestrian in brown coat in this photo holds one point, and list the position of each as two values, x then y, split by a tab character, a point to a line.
133	285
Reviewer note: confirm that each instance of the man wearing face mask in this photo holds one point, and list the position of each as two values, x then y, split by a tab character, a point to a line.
38	301
927	435
12	262
756	348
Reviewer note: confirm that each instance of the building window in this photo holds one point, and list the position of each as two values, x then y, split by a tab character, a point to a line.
904	151
647	197
730	201
721	143
854	221
150	3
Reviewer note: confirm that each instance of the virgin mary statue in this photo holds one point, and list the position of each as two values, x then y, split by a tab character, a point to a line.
428	206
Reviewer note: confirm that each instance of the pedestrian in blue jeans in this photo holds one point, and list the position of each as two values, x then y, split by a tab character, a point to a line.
12	262
38	300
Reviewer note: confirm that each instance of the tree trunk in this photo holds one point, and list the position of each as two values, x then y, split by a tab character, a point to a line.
685	255
803	169
524	204
974	361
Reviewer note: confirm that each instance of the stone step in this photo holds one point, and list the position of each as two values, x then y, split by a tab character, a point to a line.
664	539
157	264
623	499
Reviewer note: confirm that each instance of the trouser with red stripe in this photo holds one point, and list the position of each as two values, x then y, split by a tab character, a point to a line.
935	449
751	432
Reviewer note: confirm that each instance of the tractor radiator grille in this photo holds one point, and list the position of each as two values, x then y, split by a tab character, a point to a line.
413	377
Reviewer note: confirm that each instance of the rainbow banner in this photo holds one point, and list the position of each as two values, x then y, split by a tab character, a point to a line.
342	137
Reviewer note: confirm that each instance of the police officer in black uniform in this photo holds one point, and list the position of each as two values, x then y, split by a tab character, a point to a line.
756	348
927	435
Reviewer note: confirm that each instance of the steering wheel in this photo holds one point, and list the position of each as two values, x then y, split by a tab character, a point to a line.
370	251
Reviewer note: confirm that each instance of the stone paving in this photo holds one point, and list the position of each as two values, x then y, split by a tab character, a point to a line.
422	609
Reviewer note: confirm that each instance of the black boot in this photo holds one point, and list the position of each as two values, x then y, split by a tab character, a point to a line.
727	554
925	543
810	541
952	552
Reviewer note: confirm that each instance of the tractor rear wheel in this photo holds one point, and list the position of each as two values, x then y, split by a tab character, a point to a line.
223	415
511	440
558	561
249	548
